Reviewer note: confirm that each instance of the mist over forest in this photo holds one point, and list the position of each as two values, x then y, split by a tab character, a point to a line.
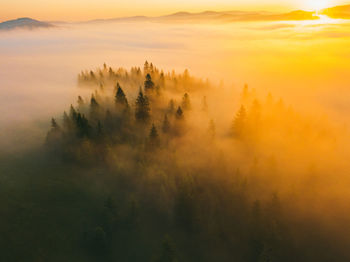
143	141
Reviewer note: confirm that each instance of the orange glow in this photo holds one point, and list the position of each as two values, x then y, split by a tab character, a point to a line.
92	9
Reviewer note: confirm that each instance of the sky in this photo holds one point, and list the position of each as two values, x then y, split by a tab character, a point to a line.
76	10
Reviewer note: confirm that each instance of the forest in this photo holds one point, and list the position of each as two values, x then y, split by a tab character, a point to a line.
158	166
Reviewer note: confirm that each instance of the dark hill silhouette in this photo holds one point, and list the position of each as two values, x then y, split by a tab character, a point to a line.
25	22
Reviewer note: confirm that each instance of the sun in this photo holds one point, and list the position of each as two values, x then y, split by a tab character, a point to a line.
317	5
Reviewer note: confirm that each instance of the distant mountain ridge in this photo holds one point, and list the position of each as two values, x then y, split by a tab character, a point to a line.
341	12
25	22
220	17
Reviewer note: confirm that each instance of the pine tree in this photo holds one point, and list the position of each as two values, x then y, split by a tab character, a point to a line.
153	136
54	135
186	103
93	103
83	127
142	112
81	102
146	67
94	107
54	126
161	80
120	97
72	113
166	124
179	113
239	122
67	123
149	85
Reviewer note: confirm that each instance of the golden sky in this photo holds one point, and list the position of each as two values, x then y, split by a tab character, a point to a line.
73	10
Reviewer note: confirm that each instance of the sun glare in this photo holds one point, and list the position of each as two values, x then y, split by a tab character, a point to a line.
317	5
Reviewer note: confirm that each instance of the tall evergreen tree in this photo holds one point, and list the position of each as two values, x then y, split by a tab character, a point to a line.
94	107
186	103
179	113
93	103
81	102
239	122
142	112
120	97
54	126
67	122
146	67
153	136
72	113
83	127
149	85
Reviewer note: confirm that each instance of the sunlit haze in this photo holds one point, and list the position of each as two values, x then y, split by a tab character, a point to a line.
175	131
74	10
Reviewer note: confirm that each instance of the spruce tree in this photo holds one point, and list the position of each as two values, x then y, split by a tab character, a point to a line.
81	102
149	85
186	104
94	107
239	122
179	113
72	113
54	126
146	67
142	111
120	97
153	135
83	127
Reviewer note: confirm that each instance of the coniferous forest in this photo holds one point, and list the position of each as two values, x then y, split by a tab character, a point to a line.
159	166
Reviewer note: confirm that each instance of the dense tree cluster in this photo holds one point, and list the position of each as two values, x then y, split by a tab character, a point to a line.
168	171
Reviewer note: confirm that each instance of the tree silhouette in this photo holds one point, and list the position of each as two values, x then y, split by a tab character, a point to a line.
83	126
186	103
120	97
54	126
149	85
81	102
73	113
179	113
146	67
153	136
239	122
142	112
93	103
